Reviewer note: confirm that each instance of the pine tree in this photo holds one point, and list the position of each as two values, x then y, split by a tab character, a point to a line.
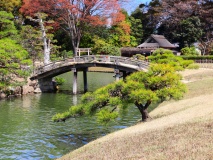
13	57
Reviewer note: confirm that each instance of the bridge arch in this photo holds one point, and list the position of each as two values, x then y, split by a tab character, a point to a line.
45	73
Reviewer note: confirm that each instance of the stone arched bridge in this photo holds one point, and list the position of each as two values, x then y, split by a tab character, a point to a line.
45	73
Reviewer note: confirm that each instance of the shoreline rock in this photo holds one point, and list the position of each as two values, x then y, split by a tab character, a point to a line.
30	88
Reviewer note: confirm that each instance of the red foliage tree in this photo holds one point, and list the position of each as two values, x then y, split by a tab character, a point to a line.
76	15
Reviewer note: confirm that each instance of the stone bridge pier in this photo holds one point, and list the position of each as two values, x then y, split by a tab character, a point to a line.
75	79
47	85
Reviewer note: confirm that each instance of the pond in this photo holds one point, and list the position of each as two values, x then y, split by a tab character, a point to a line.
27	132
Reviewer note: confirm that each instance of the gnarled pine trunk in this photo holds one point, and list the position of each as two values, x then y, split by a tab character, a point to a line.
144	110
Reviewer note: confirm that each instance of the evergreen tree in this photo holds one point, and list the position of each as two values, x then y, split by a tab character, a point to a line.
148	16
13	57
136	30
7	27
190	32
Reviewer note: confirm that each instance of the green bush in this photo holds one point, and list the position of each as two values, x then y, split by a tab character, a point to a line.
193	66
165	56
67	54
162	51
59	80
110	50
139	57
186	63
189	51
102	47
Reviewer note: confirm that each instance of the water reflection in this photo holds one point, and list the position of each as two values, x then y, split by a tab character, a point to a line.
75	100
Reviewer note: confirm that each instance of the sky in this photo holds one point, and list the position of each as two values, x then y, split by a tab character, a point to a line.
133	4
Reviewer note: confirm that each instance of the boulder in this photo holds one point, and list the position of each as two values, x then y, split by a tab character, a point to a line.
37	90
2	95
18	90
27	89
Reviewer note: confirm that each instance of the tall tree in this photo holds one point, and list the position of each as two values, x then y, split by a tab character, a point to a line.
206	44
41	17
189	33
120	32
74	15
141	88
148	16
136	30
31	41
172	15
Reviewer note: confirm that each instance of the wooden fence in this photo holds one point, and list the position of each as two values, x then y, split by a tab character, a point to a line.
205	63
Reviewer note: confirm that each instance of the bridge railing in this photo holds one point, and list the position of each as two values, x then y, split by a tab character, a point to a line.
117	60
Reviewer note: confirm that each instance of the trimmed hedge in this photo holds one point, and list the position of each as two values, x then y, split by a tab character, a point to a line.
197	57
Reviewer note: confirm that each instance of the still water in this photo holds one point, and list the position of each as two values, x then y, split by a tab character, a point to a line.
27	132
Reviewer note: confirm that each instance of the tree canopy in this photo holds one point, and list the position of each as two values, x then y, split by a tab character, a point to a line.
10	6
189	33
185	20
74	16
7	27
13	57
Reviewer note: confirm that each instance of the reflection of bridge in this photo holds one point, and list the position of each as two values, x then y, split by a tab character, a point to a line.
122	65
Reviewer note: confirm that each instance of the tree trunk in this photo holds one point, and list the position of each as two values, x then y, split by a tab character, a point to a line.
143	110
74	32
46	42
75	37
145	115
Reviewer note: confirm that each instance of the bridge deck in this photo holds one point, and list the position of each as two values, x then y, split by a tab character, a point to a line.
82	62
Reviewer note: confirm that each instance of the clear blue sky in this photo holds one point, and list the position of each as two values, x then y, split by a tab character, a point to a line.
133	4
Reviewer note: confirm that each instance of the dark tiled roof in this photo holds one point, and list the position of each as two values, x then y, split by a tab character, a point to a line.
156	41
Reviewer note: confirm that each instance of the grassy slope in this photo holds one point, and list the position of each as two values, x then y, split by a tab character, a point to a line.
179	129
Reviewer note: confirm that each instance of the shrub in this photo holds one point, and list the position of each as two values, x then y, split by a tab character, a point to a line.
193	66
110	50
162	51
186	63
189	51
139	56
59	80
165	56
